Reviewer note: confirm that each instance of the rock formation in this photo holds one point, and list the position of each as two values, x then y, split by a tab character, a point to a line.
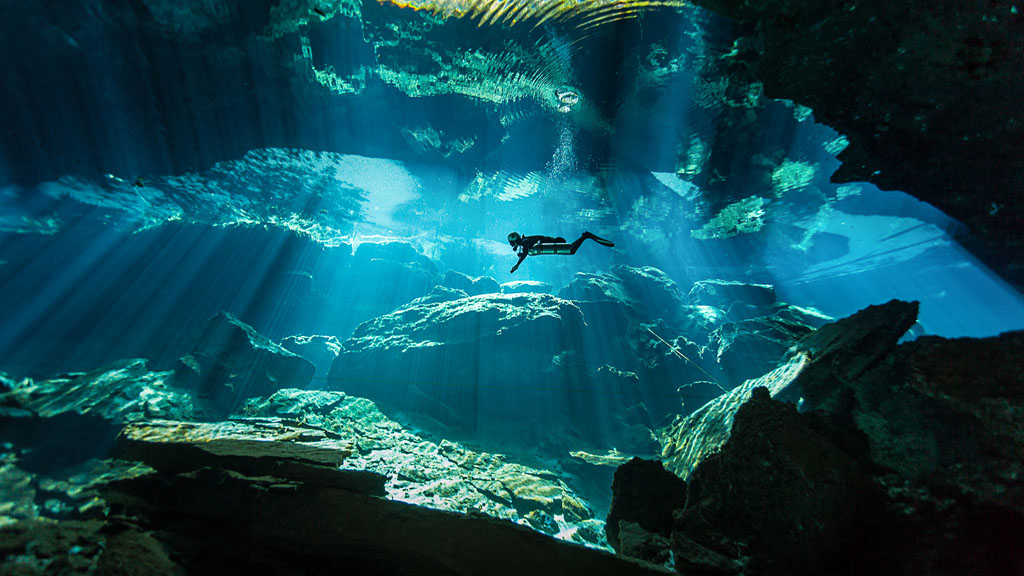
925	94
471	286
643	494
259	493
881	448
320	350
231	362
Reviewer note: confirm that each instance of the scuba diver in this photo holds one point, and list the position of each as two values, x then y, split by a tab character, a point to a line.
535	245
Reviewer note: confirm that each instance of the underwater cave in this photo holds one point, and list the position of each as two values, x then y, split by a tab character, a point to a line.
512	286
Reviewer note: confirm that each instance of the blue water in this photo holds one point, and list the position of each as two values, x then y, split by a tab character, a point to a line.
156	169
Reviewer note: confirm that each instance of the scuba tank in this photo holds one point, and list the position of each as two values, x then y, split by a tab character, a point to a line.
539	249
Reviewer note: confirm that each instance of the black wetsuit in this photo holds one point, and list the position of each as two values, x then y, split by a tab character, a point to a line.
528	245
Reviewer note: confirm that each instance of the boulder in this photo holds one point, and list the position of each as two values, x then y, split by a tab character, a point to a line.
230	362
778	493
651	287
646	291
722	294
469	285
384	276
320	350
645	494
902	455
595	287
485	363
384	253
749	348
439	294
835	352
526	287
252	446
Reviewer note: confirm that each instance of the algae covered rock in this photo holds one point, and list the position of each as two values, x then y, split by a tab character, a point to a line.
119	392
444	475
256	447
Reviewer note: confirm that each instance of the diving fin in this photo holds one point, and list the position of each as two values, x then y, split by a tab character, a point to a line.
601	241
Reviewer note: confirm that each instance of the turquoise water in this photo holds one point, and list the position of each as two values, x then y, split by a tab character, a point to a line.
340	180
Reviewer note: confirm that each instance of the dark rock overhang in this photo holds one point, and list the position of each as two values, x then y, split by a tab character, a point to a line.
928	95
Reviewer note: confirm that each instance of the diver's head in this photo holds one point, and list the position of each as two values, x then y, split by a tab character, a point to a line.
514	238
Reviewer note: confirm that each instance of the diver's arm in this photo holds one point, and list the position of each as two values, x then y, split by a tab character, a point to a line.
522	256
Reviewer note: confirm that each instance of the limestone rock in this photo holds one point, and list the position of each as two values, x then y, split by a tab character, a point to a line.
83	547
442	475
597	287
526	287
691	557
230	521
749	348
384	276
652	287
698	394
66	420
722	294
320	350
643	492
612	459
439	294
919	436
679	362
637	542
841	350
648	292
449	359
469	285
370	254
780	490
231	362
259	447
880	75
119	392
698	321
982	376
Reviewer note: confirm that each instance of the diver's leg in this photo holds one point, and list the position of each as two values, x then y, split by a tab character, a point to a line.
599	240
576	245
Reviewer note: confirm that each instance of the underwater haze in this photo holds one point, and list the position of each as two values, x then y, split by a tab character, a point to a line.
287	223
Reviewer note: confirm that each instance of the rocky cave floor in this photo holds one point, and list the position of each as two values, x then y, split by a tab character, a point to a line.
826	447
